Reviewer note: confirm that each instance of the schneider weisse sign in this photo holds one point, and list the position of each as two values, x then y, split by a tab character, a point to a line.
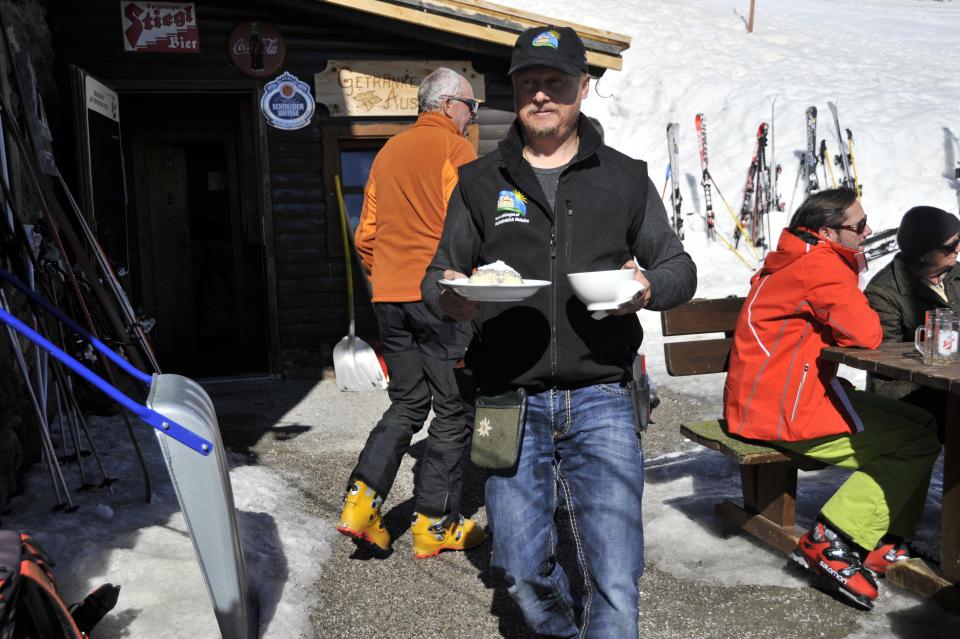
168	27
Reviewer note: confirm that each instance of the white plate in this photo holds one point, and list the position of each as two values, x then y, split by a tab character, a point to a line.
494	292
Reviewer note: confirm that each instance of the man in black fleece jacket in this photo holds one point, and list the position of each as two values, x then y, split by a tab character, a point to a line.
553	200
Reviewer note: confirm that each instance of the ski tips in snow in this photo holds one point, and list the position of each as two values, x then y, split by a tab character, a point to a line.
676	220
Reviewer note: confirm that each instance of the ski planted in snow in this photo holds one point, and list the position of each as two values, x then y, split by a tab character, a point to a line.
956	178
675	198
706	181
810	182
705	176
843	159
774	169
756	193
853	163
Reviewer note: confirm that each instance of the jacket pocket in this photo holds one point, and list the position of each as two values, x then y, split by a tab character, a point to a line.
796	402
568	234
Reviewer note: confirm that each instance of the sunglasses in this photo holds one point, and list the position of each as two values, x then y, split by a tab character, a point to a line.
472	104
856	228
951	247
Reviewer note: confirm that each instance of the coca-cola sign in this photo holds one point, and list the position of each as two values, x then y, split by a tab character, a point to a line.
168	27
256	48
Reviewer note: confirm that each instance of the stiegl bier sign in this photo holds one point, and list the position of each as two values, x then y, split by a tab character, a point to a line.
165	27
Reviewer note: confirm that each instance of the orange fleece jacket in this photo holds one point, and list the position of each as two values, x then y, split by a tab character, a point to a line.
405	204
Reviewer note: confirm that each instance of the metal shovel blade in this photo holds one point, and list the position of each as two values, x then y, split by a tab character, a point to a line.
203	488
356	366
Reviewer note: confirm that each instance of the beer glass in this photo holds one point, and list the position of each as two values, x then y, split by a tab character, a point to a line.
937	339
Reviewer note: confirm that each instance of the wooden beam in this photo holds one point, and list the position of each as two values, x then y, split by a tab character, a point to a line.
457	27
534	19
783	539
916	576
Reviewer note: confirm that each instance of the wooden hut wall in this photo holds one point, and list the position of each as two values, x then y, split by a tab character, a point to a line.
310	300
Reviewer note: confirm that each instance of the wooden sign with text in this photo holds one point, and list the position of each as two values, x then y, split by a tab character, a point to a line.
368	88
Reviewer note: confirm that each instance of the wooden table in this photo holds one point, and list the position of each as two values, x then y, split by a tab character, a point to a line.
902	361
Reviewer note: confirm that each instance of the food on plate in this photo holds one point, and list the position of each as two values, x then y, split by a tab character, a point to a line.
495	273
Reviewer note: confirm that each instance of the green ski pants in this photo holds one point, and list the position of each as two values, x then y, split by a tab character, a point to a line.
891	459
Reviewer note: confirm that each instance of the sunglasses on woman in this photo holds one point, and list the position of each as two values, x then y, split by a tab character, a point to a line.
950	247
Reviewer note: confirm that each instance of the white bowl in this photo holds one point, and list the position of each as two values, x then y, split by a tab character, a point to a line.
605	290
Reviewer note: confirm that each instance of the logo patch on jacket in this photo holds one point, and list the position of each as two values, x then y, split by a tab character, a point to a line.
511	207
547	39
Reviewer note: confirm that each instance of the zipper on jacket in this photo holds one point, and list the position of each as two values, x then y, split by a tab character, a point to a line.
553	304
796	402
569	232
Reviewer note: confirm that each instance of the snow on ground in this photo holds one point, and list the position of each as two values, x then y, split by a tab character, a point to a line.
889	66
145	548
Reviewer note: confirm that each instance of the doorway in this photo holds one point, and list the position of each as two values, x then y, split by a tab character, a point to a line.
200	248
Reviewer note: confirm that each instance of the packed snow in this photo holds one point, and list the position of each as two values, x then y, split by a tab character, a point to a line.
890	67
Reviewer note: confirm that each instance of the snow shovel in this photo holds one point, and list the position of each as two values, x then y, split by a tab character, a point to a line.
354	361
178	408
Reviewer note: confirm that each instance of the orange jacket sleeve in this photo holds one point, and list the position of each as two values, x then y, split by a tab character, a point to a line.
367	228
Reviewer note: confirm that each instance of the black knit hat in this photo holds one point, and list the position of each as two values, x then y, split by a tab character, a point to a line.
924	228
555	47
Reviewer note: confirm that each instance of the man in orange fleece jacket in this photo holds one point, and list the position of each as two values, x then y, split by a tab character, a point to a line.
404	207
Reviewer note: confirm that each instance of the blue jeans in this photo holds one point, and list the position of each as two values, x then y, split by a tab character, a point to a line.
579	446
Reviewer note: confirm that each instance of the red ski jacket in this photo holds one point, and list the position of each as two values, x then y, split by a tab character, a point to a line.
803	298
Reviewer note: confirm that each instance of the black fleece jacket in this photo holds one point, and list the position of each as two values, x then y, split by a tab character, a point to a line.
607	212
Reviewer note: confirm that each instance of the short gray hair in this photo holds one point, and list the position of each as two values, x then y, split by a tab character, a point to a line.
443	81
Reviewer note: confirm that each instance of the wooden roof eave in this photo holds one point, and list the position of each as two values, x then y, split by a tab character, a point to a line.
488	22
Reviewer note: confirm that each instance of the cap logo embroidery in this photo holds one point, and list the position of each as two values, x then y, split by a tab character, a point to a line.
547	39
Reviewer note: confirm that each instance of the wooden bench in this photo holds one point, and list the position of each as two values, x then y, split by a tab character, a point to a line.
768	476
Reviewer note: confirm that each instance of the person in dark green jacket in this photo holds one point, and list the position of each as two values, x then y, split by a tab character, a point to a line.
921	277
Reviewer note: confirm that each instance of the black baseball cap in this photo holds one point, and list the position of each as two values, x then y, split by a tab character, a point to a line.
555	47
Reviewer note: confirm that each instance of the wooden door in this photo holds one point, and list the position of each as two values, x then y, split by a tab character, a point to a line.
165	245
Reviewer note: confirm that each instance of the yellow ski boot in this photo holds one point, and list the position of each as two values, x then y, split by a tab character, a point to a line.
361	516
431	535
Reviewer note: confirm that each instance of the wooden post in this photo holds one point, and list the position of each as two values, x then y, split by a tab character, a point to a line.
750	22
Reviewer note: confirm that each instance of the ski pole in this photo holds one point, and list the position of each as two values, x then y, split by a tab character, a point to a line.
825	160
162	423
736	252
46	445
10	124
105	350
853	165
735	219
730	246
796	183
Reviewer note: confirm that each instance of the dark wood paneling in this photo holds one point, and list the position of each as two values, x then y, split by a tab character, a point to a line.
88	34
